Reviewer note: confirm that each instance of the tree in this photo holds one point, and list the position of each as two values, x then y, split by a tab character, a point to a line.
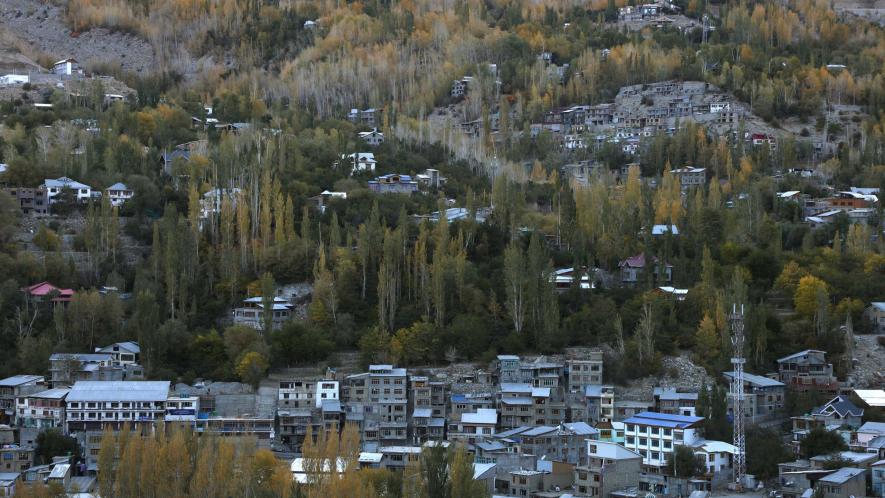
46	239
252	368
461	475
808	295
51	443
682	463
515	280
820	441
765	450
707	342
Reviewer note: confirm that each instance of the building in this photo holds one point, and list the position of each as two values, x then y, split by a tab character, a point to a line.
673	402
323	199
633	270
584	372
119	193
68	368
80	191
839	411
600	403
472	427
764	398
251	313
844	483
690	177
42	410
15	458
655	436
866	434
393	184
360	162
13	387
123	353
524	405
431	178
377	401
716	456
561	443
66	67
8	482
626	408
564	279
366	117
45	292
507	366
373	138
33	201
875	315
306	393
461	87
609	467
807	371
877	471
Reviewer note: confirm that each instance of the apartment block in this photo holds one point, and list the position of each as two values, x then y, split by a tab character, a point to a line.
655	436
609	467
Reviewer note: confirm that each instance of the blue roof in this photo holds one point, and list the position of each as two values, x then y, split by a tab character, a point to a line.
664	420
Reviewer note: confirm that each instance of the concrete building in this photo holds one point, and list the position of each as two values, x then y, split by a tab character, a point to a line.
656	435
472	427
393	184
839	411
31	201
764	398
360	162
68	368
80	191
673	402
690	177
844	483
119	193
123	353
373	138
875	315
507	367
626	408
461	87
716	456
12	388
42	410
66	67
600	403
565	442
15	458
609	467
8	483
807	371
584	372
377	400
524	405
251	313
878	478
366	117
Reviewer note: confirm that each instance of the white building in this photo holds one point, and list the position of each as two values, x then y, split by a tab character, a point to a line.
94	405
361	161
656	435
251	313
182	408
119	193
716	455
42	410
299	393
82	192
66	67
373	138
474	426
123	353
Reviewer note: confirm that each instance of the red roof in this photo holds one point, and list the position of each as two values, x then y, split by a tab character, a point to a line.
43	289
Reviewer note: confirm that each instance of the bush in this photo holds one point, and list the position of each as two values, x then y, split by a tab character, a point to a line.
47	239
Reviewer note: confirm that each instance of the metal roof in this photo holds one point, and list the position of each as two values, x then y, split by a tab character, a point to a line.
757	380
664	420
482	416
800	354
842	475
19	380
123	390
57	393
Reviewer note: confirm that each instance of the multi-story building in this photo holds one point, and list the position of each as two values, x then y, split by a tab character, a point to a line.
378	401
807	371
609	467
393	184
373	138
469	403
690	177
425	427
80	191
541	373
626	408
92	406
15	458
584	372
565	442
251	313
30	200
68	368
764	397
309	394
42	410
671	401
600	403
655	436
507	366
472	427
522	404
13	387
123	353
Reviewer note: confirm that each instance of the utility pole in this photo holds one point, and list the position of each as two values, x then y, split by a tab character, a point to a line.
736	320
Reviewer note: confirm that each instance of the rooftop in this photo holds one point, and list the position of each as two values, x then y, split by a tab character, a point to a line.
124	390
482	416
664	420
842	475
20	380
756	380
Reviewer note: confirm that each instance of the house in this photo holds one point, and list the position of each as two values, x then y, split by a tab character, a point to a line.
839	411
123	353
857	459
81	191
13	387
43	292
608	467
15	458
823	219
360	162
564	278
848	200
678	294
846	482
431	178
600	403
322	200
30	200
8	482
367	117
42	410
716	456
68	368
393	184
66	67
760	139
690	177
455	214
119	193
875	314
373	138
561	443
671	401
474	426
251	313
764	398
626	408
633	270
582	372
398	457
461	87
878	478
807	371
655	436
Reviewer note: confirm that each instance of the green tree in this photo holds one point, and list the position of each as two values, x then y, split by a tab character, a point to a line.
820	441
765	449
52	443
252	368
682	463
